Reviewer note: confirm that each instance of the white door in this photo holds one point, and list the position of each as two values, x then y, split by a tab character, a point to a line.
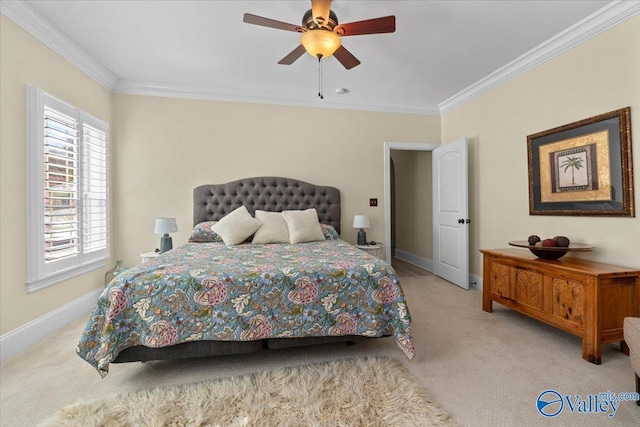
450	213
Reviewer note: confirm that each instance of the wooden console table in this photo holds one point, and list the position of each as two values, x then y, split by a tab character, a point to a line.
585	298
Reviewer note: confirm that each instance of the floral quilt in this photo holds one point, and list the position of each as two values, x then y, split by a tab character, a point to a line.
208	291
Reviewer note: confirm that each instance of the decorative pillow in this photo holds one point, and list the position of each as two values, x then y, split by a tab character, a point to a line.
203	233
329	232
303	226
236	226
273	230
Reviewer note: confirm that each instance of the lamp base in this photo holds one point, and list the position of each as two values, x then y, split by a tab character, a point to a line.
166	244
362	237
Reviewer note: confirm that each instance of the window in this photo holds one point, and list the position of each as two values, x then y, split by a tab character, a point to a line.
68	190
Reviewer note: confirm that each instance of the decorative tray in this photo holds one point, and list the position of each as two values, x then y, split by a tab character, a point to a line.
551	252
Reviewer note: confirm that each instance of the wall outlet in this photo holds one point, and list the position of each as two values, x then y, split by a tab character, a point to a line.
373	202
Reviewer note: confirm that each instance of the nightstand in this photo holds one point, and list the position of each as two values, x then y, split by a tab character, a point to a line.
147	256
375	250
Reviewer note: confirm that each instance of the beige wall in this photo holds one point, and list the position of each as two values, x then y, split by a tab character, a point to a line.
600	75
168	146
24	60
413	190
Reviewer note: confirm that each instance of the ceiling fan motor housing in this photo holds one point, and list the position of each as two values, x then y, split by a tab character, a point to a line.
310	24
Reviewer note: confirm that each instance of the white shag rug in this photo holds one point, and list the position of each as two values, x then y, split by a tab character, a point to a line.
355	392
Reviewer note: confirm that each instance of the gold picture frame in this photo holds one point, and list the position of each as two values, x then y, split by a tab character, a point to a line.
583	168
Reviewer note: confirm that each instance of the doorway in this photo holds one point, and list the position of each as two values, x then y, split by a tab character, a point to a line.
450	207
403	152
411	208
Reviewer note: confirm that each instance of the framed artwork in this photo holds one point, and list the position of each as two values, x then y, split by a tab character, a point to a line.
583	168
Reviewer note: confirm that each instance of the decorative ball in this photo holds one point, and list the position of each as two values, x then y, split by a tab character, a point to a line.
549	243
533	239
562	241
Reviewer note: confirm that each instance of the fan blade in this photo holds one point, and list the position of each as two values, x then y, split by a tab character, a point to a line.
292	56
346	58
271	23
320	11
386	24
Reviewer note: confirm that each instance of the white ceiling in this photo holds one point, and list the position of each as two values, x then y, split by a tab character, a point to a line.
202	48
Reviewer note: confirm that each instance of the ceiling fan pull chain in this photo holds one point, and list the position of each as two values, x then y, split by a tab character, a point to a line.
320	88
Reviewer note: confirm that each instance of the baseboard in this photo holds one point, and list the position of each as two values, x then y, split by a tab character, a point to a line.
418	261
475	281
32	333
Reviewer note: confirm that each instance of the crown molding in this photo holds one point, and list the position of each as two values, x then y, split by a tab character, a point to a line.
130	87
33	22
594	24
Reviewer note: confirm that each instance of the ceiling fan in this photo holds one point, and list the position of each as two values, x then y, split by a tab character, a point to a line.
321	32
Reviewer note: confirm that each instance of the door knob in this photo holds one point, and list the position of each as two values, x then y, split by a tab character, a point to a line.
461	221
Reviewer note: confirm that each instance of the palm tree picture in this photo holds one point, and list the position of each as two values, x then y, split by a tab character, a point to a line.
574	163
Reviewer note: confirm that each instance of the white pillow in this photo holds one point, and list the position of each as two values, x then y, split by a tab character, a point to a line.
303	226
236	226
273	230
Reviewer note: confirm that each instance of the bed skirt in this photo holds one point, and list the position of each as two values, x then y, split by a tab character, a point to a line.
219	348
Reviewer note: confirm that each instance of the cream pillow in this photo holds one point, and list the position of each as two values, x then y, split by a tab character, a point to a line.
303	226
236	226
273	230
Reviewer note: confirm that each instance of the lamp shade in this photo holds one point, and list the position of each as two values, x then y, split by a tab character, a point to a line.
320	43
165	226
361	221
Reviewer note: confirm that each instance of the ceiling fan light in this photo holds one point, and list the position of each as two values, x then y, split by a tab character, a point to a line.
320	42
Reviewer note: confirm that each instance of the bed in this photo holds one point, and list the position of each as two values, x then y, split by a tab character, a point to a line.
207	298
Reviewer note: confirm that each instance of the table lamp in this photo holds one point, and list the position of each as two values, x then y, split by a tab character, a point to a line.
361	222
165	226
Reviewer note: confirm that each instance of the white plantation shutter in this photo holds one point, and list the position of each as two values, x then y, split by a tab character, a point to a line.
61	158
94	189
68	190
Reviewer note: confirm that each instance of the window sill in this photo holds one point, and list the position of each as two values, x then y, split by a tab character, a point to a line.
45	282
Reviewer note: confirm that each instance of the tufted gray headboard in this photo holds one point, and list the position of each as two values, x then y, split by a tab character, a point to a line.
274	194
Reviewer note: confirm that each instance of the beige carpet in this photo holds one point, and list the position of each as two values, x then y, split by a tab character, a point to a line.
352	392
486	369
